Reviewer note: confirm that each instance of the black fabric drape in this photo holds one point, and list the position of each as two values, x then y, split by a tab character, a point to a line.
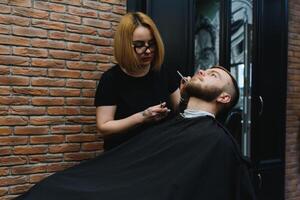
180	159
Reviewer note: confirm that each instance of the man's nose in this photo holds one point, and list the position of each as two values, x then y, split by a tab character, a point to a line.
201	72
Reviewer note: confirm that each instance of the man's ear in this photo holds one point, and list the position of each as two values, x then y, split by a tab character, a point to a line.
224	98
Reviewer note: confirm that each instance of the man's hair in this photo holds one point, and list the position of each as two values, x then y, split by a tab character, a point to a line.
123	46
232	89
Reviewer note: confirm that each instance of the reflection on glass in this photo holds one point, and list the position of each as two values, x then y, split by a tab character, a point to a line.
207	30
241	37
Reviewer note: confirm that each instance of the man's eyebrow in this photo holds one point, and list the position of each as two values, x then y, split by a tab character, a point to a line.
215	71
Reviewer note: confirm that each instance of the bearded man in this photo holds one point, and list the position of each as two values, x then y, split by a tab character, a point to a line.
190	157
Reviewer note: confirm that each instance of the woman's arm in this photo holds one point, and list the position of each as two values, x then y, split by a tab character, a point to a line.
107	125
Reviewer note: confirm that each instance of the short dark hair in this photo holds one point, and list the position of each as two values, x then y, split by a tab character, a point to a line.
235	97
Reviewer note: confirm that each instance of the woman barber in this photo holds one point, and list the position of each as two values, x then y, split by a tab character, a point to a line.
134	93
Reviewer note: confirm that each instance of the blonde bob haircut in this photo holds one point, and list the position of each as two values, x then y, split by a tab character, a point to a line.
123	46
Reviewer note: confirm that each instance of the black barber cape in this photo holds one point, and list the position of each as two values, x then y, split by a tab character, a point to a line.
180	159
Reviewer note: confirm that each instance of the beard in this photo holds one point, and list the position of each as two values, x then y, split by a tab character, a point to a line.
207	94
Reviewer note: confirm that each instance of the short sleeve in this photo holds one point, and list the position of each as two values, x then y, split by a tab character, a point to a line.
106	94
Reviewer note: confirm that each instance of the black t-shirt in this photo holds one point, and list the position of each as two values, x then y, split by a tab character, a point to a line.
131	95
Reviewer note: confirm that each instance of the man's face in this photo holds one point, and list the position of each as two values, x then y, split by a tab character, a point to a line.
208	84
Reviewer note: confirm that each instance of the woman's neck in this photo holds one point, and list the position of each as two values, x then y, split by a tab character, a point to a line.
138	73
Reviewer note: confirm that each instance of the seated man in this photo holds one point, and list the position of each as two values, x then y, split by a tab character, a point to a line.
188	157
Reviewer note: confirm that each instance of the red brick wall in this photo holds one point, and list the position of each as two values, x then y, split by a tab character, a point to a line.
52	53
292	179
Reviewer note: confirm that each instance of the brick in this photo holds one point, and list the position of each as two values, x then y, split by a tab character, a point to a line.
65	92
81	47
14	60
64	36
4	50
97	5
5	131
119	10
5	29
65	18
22	3
28	71
34	178
14	80
12	40
5	9
48	63
46	120
5	91
5	151
4	70
48	24
81	84
50	82
95	58
97	40
31	52
88	110
12	180
104	66
69	2
29	32
81	138
29	12
30	91
3	191
106	33
88	93
81	65
19	189
91	75
82	12
32	130
92	146
117	2
55	167
63	148
63	111
105	50
31	169
90	129
66	129
13	121
110	17
12	160
45	159
63	73
51	44
49	6
67	55
79	156
14	20
27	110
4	171
49	139
96	23
4	110
81	120
81	29
80	101
14	100
47	101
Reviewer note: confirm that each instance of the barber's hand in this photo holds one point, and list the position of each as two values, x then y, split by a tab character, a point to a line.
183	84
155	113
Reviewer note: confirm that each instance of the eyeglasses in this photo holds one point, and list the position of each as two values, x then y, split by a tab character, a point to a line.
140	47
